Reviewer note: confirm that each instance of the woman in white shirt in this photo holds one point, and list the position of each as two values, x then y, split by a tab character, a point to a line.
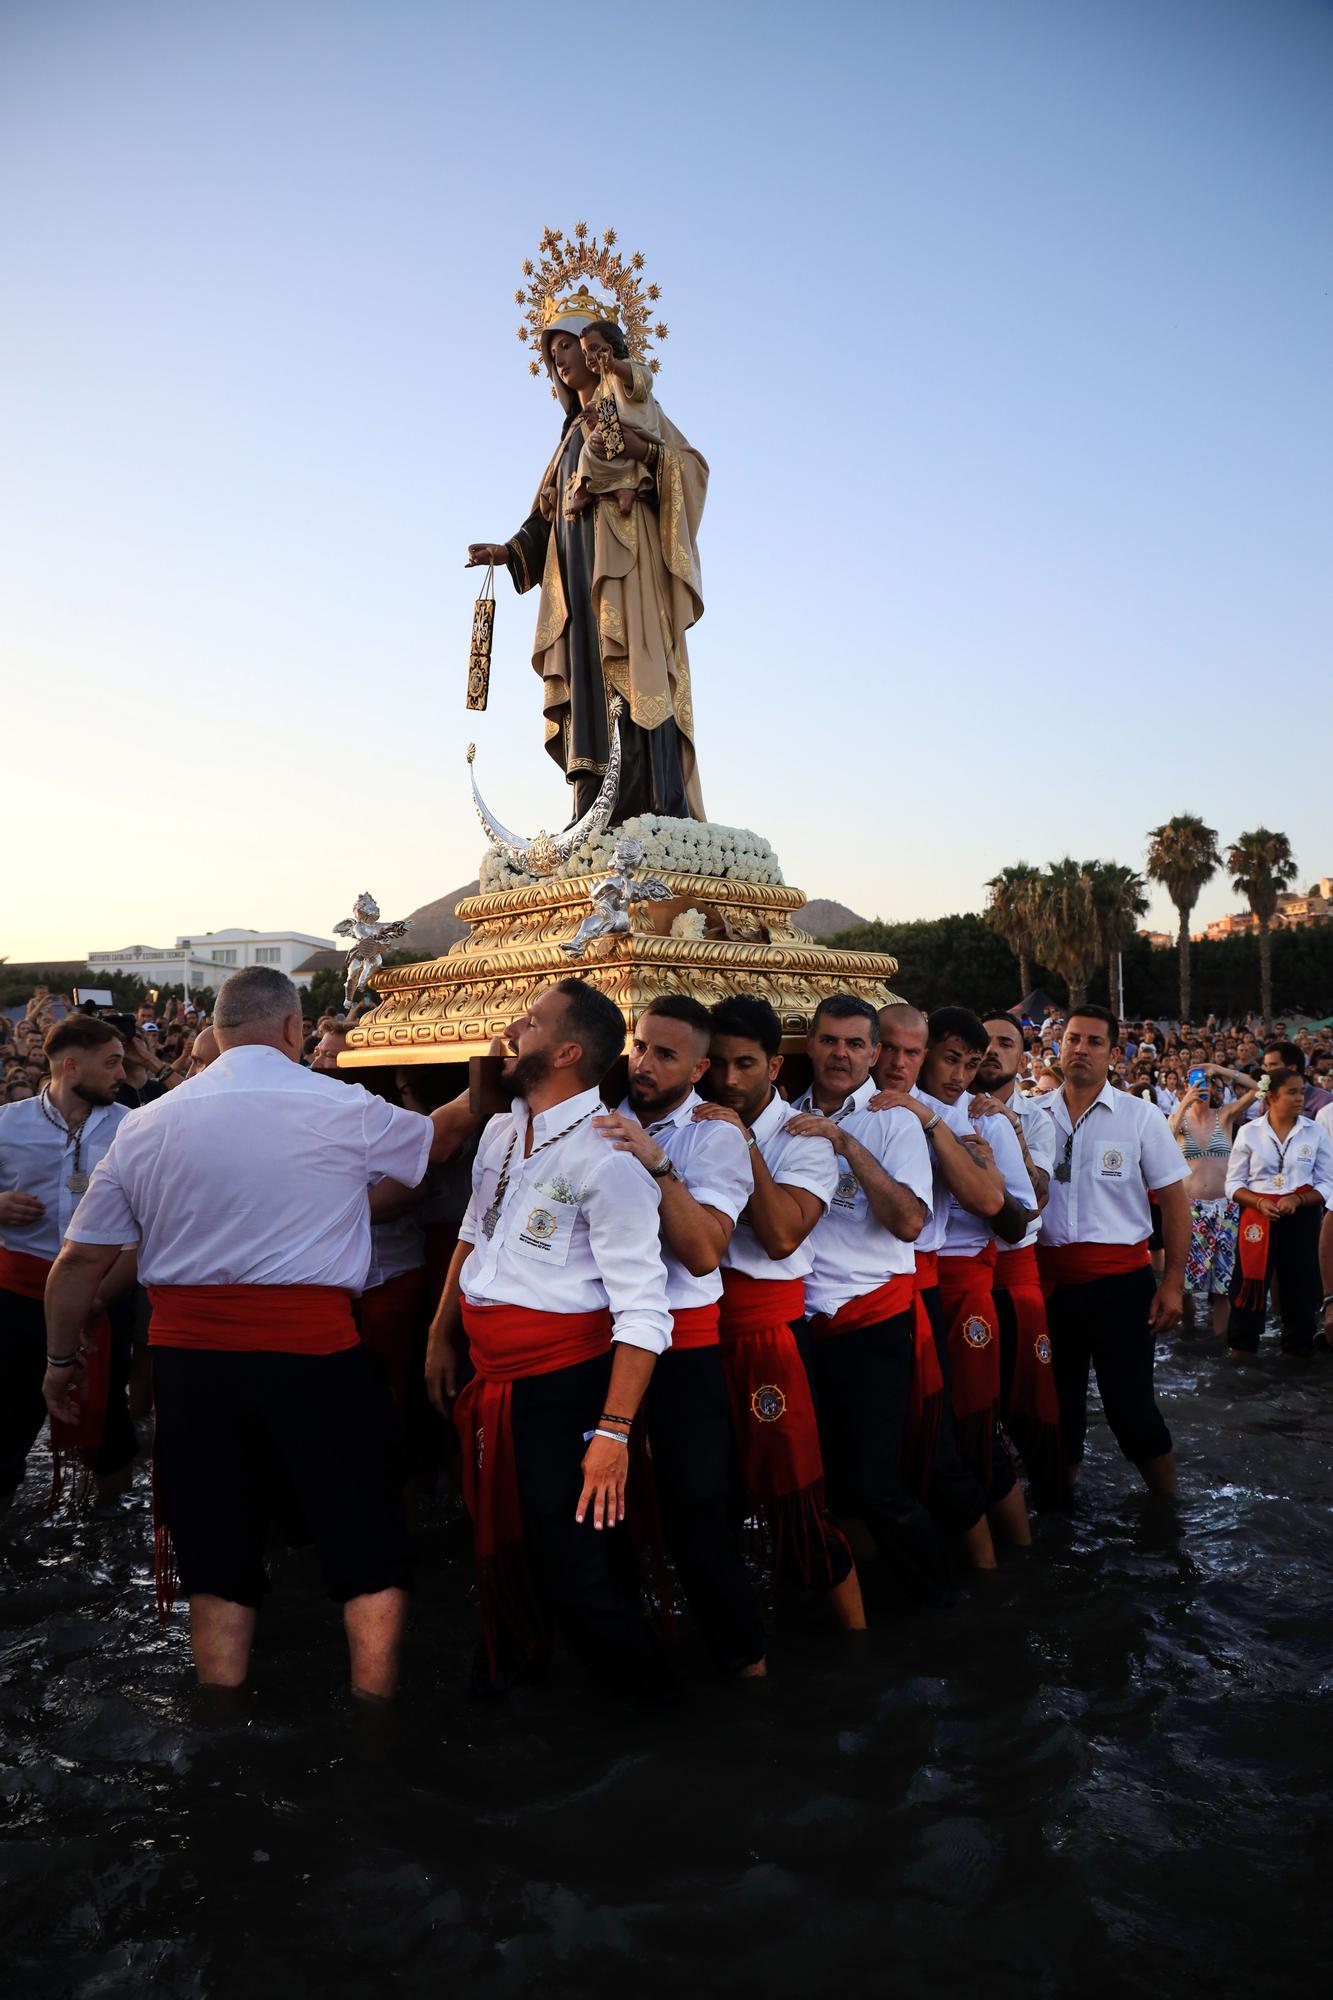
1280	1175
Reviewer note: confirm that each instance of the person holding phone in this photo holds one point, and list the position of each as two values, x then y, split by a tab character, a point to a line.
1205	1128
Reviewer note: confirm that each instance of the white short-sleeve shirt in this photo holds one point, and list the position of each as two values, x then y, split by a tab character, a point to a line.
942	1202
255	1172
809	1164
853	1253
1039	1138
577	1228
36	1158
713	1160
968	1233
1266	1164
1122	1147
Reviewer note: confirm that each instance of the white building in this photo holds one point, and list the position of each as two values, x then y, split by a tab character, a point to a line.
207	959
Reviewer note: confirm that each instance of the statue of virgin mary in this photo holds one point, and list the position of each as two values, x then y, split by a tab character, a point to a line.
618	594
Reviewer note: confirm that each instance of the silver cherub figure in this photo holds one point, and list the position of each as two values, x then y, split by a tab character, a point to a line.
367	933
613	897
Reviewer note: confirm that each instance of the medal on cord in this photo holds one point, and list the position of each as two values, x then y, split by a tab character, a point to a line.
78	1180
492	1215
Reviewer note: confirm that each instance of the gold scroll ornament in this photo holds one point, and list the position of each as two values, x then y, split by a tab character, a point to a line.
479	657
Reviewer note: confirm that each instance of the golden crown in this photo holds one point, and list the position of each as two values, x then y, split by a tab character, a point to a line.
565	261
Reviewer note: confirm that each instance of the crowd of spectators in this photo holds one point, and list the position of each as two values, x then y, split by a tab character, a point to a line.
163	1044
1156	1058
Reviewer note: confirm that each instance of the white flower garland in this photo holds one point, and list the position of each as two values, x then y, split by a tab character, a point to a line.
679	846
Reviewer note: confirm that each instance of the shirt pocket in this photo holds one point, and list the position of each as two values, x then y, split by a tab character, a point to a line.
544	1230
1115	1162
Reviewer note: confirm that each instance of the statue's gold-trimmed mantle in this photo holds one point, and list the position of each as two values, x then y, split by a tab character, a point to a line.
449	1009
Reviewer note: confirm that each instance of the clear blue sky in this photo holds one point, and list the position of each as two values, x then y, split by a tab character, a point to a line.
1004	328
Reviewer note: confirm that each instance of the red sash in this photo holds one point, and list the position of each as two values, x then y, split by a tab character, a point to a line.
1252	1243
974	1353
923	1412
389	1320
509	1343
694	1326
773	1415
252	1319
1033	1410
1079	1263
885	1302
26	1275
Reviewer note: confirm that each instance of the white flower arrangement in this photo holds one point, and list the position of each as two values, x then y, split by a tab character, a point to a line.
562	1190
680	846
689	924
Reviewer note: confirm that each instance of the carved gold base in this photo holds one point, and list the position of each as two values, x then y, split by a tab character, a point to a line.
731	937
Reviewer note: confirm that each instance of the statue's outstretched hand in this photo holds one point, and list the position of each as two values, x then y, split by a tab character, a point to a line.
480	555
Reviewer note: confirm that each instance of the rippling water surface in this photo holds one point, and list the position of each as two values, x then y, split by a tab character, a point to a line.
1106	1772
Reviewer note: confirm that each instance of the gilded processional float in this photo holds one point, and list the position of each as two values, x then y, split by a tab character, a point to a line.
641	893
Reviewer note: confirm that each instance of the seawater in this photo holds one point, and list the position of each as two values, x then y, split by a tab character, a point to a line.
1106	1772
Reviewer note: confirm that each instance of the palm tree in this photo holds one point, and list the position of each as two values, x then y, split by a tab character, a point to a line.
1013	913
1069	931
1119	900
1183	856
1261	865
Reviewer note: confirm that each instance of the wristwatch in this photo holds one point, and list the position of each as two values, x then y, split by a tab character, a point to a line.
664	1171
931	1123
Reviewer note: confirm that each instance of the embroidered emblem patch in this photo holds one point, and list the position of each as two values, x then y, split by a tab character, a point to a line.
767	1402
542	1223
847	1189
1254	1232
1041	1347
1112	1160
976	1331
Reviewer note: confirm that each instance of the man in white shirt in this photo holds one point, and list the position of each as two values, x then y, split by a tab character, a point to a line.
960	1172
957	1041
763	1304
861	1292
1028	1400
559	1285
702	1167
50	1145
1104	1308
246	1192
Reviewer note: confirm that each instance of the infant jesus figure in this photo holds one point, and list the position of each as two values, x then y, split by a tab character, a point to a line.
624	397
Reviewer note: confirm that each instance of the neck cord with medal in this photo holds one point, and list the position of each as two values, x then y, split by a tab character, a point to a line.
1065	1171
1280	1177
492	1215
78	1180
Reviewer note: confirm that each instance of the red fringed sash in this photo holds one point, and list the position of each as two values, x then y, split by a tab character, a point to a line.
1252	1245
1033	1412
694	1326
923	1411
974	1352
508	1343
1079	1263
252	1319
26	1276
773	1416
